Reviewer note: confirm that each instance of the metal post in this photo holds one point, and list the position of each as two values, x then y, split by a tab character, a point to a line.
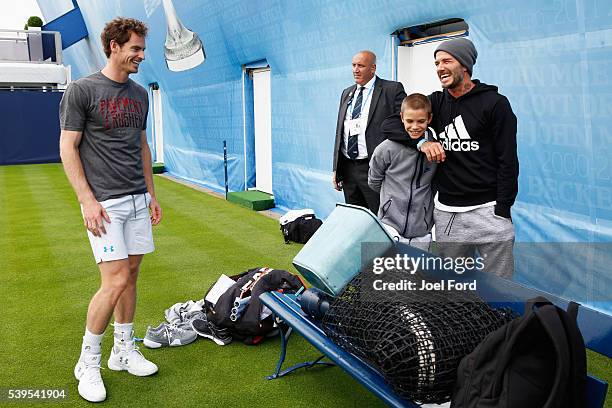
58	48
225	165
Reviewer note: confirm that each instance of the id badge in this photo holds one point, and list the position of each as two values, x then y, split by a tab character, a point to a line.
355	126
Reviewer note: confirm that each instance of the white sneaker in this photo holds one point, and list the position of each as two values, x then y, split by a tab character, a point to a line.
131	359
87	371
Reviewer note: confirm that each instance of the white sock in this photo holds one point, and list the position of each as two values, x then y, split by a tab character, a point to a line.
92	343
123	334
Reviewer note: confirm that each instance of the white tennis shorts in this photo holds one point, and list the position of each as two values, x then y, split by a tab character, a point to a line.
129	232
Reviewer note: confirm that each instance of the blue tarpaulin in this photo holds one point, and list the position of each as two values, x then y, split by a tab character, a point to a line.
551	59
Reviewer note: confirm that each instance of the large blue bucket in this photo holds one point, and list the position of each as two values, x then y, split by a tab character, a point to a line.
333	255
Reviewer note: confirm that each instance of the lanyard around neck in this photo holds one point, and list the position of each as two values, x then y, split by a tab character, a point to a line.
365	101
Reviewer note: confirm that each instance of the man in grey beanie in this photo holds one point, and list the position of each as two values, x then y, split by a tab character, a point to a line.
478	179
463	50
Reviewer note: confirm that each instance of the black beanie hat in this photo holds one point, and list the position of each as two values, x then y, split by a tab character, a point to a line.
462	49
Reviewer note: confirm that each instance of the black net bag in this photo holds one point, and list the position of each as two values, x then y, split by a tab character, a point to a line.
414	338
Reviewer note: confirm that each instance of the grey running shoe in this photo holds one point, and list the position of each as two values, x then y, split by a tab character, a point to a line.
174	314
169	335
188	317
207	329
184	312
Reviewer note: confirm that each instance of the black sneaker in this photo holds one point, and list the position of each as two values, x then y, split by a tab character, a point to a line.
207	329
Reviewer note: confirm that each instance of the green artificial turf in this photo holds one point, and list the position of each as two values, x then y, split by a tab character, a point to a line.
48	275
158	168
252	199
601	367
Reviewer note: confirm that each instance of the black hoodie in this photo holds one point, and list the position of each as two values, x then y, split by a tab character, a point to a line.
478	133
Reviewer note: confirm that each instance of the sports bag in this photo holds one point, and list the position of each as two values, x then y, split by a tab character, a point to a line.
299	225
249	285
537	360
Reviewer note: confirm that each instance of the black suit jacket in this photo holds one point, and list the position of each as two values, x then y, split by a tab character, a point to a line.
387	98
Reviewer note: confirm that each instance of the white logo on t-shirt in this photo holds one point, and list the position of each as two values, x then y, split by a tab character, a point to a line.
455	137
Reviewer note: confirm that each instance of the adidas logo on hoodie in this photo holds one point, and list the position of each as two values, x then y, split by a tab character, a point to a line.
456	138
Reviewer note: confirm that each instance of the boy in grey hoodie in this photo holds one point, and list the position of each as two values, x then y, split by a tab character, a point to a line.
402	175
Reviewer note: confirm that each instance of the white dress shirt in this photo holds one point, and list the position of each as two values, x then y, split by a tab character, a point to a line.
365	111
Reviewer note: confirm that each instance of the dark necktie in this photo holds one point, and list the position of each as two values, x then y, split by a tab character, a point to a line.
352	148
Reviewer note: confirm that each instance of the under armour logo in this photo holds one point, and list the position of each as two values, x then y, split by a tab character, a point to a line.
109	249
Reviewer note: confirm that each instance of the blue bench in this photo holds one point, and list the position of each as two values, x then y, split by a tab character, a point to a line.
596	329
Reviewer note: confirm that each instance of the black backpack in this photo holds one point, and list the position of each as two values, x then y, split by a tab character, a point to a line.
251	283
301	229
537	360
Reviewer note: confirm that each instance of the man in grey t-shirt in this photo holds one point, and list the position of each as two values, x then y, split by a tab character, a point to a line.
106	157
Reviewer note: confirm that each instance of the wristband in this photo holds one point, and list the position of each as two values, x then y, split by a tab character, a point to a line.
418	146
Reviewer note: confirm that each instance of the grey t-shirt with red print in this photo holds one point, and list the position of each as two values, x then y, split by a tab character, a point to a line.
112	116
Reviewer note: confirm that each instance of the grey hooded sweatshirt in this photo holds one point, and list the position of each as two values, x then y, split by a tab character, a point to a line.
403	177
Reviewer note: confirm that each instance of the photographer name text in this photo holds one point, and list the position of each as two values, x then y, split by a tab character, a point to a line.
407	285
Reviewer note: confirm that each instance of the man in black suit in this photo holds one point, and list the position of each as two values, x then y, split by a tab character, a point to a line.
363	107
